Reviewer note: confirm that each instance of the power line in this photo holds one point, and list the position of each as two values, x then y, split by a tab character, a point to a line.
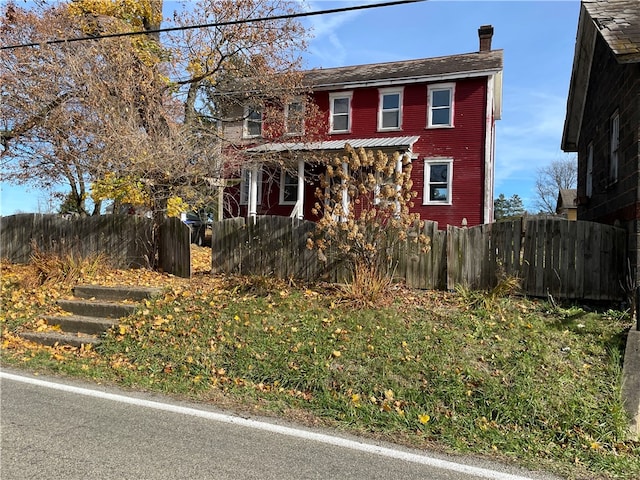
217	24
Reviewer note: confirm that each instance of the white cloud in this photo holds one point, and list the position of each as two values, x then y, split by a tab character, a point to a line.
327	47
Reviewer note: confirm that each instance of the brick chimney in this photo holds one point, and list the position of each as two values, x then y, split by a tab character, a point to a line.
485	33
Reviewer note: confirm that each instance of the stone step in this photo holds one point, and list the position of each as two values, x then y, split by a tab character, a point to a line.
57	338
82	324
117	293
90	308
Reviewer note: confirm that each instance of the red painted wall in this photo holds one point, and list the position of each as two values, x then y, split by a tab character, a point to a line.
464	143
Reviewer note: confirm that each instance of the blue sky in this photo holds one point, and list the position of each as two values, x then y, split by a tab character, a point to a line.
538	39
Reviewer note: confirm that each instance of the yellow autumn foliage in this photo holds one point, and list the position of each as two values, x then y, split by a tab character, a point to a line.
121	190
133	12
175	206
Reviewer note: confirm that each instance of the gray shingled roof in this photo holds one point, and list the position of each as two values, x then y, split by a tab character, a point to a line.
567	198
619	24
450	66
386	142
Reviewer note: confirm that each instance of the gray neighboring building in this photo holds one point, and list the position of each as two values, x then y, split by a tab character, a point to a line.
602	123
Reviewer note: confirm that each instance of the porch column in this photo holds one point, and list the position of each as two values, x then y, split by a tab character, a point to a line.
300	202
345	194
399	170
253	191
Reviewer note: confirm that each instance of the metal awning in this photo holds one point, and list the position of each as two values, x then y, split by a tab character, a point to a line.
383	142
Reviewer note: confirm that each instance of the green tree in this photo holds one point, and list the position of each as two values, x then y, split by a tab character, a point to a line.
506	208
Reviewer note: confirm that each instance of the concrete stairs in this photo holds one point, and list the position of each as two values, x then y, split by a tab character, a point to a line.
94	310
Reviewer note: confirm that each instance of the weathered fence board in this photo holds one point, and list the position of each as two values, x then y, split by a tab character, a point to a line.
127	240
571	260
269	245
174	248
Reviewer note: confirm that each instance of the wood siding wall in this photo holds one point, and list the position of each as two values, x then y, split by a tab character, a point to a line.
613	87
569	260
464	143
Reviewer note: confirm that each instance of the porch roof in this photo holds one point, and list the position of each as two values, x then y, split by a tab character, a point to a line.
383	142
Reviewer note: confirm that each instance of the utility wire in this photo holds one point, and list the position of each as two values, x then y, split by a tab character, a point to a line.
217	24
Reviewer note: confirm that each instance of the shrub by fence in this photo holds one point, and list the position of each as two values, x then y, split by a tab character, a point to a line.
570	260
125	239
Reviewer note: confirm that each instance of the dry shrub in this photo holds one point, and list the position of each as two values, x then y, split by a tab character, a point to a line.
369	287
68	268
489	300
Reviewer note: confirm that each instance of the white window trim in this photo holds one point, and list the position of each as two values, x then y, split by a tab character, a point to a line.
438	87
245	125
286	118
244	186
382	93
589	182
614	147
427	172
334	96
283	175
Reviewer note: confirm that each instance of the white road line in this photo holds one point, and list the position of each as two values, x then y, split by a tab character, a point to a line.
292	432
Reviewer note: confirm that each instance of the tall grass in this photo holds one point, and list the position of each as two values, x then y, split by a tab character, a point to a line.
67	268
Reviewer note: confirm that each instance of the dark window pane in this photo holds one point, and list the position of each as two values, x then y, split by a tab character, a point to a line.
390	119
253	128
440	117
441	98
391	101
290	194
438	173
341	122
290	188
341	105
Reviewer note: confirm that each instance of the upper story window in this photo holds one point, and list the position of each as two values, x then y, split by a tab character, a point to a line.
340	112
252	122
390	110
440	110
589	182
438	174
294	118
614	144
245	181
288	188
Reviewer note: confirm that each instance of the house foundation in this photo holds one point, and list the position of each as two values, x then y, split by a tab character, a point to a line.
631	382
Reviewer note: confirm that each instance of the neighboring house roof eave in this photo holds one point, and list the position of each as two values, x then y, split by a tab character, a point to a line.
580	74
406	80
616	22
382	142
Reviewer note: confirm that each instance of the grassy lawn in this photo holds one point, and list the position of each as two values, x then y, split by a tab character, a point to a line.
505	377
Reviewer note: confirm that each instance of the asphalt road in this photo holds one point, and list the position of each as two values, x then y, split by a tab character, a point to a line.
53	428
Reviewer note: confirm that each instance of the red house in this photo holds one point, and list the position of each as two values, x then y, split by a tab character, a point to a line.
440	111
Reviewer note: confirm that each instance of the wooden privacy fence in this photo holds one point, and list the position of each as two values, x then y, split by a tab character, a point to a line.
126	239
570	260
270	245
565	259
